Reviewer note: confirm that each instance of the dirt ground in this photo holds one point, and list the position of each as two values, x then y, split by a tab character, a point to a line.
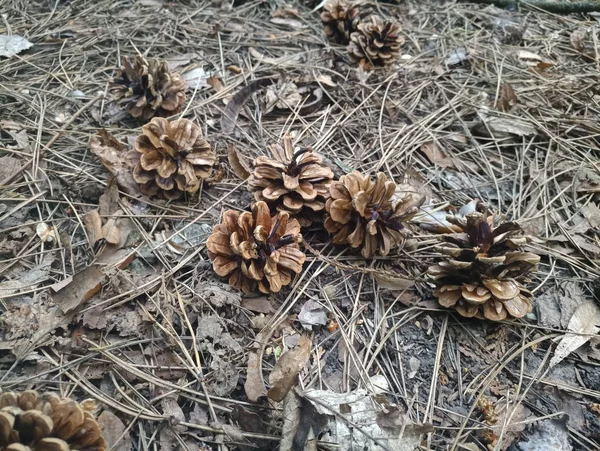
485	103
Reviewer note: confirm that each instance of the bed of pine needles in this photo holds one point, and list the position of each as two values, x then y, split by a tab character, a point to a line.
485	103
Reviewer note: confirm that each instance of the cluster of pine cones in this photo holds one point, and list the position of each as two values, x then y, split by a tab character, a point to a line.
372	42
485	269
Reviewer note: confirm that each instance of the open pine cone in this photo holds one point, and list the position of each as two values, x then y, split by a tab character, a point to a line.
171	157
363	214
375	43
295	182
486	268
340	20
148	88
33	422
255	250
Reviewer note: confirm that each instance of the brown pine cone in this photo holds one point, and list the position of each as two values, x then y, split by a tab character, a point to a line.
171	157
375	43
255	250
295	182
363	214
148	88
487	268
33	422
340	19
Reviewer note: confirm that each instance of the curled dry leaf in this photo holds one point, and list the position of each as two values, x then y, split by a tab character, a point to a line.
507	98
284	373
585	324
255	384
113	155
88	282
231	113
240	167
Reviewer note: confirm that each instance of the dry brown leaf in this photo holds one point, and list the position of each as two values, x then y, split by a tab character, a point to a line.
392	282
110	232
113	155
255	385
93	226
434	153
259	304
9	167
286	370
240	167
584	323
215	83
88	282
113	431
231	113
507	98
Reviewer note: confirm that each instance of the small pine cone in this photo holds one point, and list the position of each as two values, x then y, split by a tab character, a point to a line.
255	250
375	43
33	422
487	268
171	157
148	88
364	214
340	20
294	182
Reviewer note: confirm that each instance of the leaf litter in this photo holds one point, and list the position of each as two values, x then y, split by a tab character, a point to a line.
520	135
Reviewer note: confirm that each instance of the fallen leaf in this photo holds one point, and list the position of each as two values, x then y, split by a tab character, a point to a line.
196	78
113	431
289	22
9	167
434	153
586	321
507	98
259	304
232	111
287	60
457	56
255	385
89	281
578	39
215	83
93	226
286	370
547	435
46	232
110	232
113	155
302	424
312	314
240	167
13	45
392	428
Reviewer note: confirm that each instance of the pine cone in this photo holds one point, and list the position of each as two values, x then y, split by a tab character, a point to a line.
486	270
340	19
148	88
256	250
171	157
33	422
363	214
375	43
295	182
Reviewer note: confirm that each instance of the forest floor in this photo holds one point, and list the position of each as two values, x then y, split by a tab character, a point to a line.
484	103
